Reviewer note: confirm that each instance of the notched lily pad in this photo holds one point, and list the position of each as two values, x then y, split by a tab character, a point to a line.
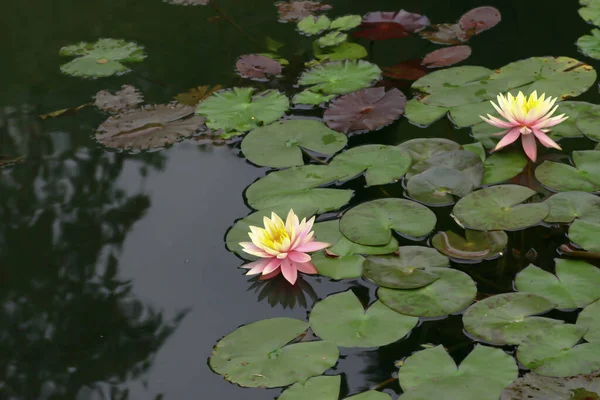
380	25
338	267
257	67
565	207
340	77
438	186
126	98
536	387
326	388
476	246
590	44
296	10
585	234
559	177
500	167
313	25
590	11
329	232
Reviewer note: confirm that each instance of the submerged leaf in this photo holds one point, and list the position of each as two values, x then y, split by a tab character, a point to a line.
257	67
296	10
476	246
447	56
340	77
195	95
381	25
126	98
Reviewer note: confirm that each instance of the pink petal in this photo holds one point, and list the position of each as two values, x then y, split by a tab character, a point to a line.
298	257
251	248
509	138
307	268
496	122
545	140
530	146
256	267
270	276
312	246
547	123
272	266
289	271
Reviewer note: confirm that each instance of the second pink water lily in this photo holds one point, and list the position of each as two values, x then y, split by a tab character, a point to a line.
528	118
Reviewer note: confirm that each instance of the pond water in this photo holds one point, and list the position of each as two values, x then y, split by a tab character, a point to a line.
114	275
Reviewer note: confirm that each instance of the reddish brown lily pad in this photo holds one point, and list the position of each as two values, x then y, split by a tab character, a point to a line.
480	19
296	10
447	56
195	95
380	25
259	68
410	70
365	110
126	98
446	34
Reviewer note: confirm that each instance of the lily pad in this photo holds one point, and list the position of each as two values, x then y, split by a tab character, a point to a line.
425	148
452	292
575	284
371	223
332	39
551	352
244	357
437	186
498	208
587	122
381	25
195	95
343	51
590	11
342	319
365	110
346	22
313	25
240	111
422	114
149	127
462	160
500	167
585	176
125	99
338	267
480	19
341	77
326	388
476	246
565	207
589	319
102	58
329	232
188	2
585	234
508	318
447	56
296	10
446	34
280	144
590	44
536	387
311	98
299	186
477	149
257	67
409	70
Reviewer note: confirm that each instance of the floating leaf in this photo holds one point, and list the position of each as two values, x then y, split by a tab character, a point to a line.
410	70
536	387
338	267
476	246
102	58
390	25
343	51
587	122
425	148
574	286
447	56
342	319
195	95
461	160
238	110
446	34
585	234
332	39
313	25
340	77
437	186
346	22
423	115
498	208
149	127
311	98
126	98
244	357
326	388
590	11
565	207
589	319
329	232
452	292
585	176
365	110
590	44
508	318
299	186
480	19
257	67
280	144
500	167
477	149
296	10
371	223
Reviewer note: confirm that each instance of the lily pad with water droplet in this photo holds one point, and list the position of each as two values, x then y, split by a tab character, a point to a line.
346	22
498	208
280	144
500	167
452	292
590	44
371	223
340	77
476	246
585	234
343	51
342	319
326	388
425	148
508	318
589	319
559	177
438	186
329	232
245	358
239	110
565	207
313	25
536	387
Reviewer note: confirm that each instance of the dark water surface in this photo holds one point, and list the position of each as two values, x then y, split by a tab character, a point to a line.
114	277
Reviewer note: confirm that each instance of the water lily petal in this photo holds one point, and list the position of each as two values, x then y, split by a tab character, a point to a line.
545	140
530	146
270	276
307	268
289	271
509	138
312	246
272	266
497	122
299	257
251	248
256	267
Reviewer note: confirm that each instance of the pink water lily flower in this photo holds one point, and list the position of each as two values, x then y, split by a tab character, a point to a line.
282	247
527	117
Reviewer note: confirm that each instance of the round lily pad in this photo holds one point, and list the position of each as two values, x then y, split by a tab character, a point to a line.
476	148
313	25
381	164
319	387
575	110
587	122
590	44
565	207
371	223
332	39
575	284
342	319
500	167
238	110
311	98
257	67
437	186
329	232
280	144
457	388
423	149
383	25
452	292
551	352
343	51
338	267
244	357
585	234
346	22
462	160
589	319
422	114
476	246
508	318
298	186
340	77
447	56
480	19
585	176
536	387
497	208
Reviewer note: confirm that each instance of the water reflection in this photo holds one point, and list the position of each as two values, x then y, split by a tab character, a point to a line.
70	327
278	291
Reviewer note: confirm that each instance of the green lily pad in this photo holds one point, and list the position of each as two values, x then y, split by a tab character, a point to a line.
585	234
437	186
311	98
493	366
508	318
280	144
238	110
381	164
346	22
452	292
371	223
326	388
590	44
590	11
341	267
332	39
406	270
461	160
340	77
500	167
565	207
422	114
575	284
423	149
298	186
102	58
587	122
589	319
343	51
313	25
585	176
329	232
244	357
497	208
476	246
342	319
572	127
551	352
477	149
458	388
536	387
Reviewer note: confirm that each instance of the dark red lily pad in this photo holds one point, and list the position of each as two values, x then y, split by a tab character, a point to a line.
257	67
365	110
446	34
447	56
480	19
380	25
410	70
296	10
